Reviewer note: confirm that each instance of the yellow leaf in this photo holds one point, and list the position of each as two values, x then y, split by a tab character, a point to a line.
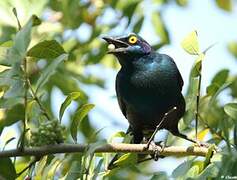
40	168
3	68
225	4
201	135
190	43
128	158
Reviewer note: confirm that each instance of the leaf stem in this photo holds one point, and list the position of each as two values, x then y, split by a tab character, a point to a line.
18	22
25	104
33	93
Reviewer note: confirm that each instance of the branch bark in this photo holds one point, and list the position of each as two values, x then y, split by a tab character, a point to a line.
106	148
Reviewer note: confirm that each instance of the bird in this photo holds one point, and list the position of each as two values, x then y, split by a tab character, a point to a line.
148	86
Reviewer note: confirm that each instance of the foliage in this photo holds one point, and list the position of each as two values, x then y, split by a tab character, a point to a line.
39	56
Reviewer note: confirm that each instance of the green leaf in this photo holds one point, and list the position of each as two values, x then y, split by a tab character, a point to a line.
225	4
228	164
74	171
22	40
126	159
211	171
29	107
219	79
11	80
222	88
49	171
89	155
197	66
182	169
129	9
212	89
182	2
46	49
161	176
7	169
159	27
232	47
117	134
10	102
79	115
7	44
97	169
209	155
12	115
231	110
72	96
36	20
49	71
192	172
40	167
137	27
190	43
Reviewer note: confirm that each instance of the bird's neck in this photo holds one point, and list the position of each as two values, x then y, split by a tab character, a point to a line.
132	64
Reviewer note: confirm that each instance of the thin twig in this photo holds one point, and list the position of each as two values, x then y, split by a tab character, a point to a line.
107	148
198	101
29	166
25	104
158	126
146	159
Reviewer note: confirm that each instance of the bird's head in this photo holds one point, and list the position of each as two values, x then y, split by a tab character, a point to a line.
127	48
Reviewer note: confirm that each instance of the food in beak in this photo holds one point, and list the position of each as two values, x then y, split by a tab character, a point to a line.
111	47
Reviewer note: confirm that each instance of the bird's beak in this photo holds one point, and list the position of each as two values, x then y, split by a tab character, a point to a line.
115	45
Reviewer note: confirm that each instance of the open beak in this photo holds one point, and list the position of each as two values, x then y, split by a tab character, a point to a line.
115	45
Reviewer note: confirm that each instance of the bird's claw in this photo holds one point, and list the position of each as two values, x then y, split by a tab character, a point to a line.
154	146
156	154
161	144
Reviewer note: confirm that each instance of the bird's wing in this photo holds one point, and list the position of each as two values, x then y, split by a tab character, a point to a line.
177	74
120	100
180	80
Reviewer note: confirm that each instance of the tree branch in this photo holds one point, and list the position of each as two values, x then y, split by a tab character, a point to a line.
106	148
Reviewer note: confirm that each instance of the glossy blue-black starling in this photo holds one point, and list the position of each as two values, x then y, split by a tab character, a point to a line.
148	86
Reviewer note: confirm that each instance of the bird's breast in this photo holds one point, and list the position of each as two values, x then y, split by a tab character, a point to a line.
148	90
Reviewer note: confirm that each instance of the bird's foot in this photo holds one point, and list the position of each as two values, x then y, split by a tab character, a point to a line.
154	146
161	144
156	154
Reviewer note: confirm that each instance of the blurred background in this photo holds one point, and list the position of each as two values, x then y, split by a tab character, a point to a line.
79	26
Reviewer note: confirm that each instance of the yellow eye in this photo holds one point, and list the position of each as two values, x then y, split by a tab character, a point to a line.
132	39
